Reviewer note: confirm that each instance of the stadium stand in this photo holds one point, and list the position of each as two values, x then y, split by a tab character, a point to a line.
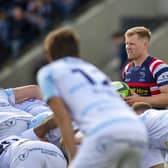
22	23
104	17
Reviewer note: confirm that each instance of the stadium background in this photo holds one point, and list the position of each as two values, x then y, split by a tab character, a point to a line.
95	24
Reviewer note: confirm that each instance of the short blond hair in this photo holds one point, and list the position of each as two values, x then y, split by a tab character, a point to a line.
141	31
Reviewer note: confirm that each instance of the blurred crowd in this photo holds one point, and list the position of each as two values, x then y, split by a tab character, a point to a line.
24	21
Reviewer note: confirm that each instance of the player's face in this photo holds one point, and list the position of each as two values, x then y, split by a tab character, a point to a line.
135	47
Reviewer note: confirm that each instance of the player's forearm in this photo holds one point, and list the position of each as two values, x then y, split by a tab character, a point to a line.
65	124
26	92
160	100
69	141
63	119
45	127
41	131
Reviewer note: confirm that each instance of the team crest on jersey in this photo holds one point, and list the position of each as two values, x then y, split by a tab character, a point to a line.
10	122
103	144
142	76
24	155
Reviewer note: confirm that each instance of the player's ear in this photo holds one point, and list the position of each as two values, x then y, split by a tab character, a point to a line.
49	58
146	42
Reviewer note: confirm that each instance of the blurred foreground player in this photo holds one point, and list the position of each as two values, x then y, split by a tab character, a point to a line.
77	90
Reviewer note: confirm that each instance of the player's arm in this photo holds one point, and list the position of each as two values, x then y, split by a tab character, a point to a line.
42	129
159	71
39	130
64	122
51	95
160	100
25	92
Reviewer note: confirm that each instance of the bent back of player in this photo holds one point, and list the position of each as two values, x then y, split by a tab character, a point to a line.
77	90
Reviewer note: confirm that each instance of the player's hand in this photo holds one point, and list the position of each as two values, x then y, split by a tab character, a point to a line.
133	98
51	123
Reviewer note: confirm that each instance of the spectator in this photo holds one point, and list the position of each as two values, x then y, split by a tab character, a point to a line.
116	56
6	4
118	39
66	7
23	21
4	54
20	3
4	44
4	28
42	13
145	74
21	30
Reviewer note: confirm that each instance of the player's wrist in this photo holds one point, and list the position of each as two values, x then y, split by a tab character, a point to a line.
41	131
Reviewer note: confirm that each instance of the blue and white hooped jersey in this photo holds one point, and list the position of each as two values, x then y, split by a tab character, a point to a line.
156	122
86	91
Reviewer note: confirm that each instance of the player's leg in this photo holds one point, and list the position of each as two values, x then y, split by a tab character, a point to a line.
36	154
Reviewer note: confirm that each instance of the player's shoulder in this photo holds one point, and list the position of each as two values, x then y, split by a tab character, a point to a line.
126	68
154	114
155	63
147	115
45	70
158	68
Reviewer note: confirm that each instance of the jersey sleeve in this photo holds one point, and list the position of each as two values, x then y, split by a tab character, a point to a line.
162	75
159	71
11	95
47	84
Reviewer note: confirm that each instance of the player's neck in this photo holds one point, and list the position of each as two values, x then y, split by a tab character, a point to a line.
139	61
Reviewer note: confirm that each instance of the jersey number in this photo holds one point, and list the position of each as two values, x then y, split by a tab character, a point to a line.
90	79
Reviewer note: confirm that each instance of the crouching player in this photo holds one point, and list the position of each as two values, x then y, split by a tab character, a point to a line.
28	150
156	122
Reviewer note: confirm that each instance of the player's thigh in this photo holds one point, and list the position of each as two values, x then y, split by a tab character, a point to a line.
36	154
